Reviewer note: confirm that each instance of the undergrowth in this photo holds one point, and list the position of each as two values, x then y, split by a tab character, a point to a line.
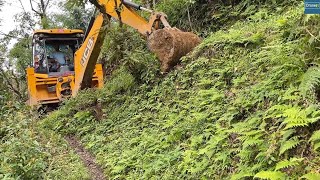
29	152
207	16
243	105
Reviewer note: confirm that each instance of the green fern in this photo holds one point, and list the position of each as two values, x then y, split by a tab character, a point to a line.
291	163
315	136
315	139
310	80
271	175
287	133
287	145
311	176
276	111
252	141
316	146
245	154
241	175
292	94
297	117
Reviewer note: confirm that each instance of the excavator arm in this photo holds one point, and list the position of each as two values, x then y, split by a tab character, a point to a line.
125	11
168	43
86	56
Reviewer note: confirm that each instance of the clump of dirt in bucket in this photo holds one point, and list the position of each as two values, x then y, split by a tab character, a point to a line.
170	44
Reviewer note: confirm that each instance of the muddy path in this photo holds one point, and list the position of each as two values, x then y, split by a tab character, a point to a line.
87	158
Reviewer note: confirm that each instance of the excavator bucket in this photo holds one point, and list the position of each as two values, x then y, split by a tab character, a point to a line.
170	44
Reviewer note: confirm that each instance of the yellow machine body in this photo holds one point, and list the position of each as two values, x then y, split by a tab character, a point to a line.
52	87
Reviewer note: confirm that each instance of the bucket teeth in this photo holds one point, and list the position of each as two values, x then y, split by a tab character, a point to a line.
170	44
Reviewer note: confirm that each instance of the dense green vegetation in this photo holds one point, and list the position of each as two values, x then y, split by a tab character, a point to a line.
207	16
27	152
243	104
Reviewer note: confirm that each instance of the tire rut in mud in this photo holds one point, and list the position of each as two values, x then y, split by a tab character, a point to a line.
87	158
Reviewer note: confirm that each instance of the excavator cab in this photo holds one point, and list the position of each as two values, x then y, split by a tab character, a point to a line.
54	57
51	75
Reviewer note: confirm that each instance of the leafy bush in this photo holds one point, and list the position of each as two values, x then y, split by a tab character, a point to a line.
124	46
121	81
27	152
207	16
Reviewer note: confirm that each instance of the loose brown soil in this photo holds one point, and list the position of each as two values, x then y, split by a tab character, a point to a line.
87	158
170	44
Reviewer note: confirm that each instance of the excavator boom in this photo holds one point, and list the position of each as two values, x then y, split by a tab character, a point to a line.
169	44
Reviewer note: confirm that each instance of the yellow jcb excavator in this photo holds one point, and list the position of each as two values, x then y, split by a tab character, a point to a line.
64	60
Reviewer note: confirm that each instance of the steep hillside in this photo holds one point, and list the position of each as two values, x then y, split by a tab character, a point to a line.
243	104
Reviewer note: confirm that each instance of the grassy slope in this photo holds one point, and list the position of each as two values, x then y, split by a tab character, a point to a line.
244	104
29	152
